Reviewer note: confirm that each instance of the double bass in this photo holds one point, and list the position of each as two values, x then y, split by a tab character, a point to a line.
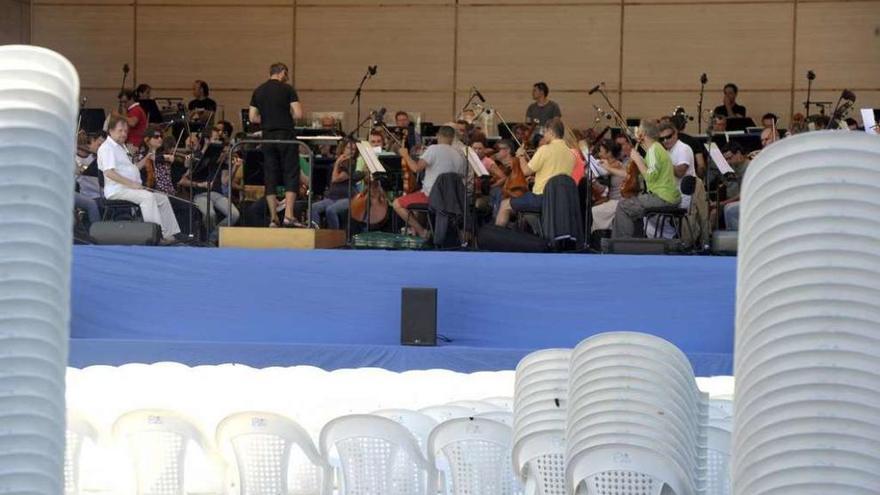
373	195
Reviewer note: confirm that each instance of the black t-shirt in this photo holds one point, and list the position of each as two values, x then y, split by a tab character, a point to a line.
207	104
737	110
273	99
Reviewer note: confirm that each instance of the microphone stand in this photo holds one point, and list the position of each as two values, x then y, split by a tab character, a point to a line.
808	103
371	71
700	106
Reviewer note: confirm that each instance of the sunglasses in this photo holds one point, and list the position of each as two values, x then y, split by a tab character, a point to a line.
666	138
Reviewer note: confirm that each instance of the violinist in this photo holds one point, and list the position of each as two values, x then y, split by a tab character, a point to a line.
134	115
438	159
603	213
159	178
657	170
220	133
552	159
122	180
335	204
402	121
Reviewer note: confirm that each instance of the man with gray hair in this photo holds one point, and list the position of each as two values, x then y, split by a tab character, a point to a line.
438	159
657	170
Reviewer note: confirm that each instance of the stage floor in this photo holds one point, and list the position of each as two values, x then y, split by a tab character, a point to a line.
341	309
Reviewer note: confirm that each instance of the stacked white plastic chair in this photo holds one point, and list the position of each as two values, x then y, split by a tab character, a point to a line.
157	442
39	92
79	431
377	455
807	409
477	451
634	418
718	447
540	395
263	445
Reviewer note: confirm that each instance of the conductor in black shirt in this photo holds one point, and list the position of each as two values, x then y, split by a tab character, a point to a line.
275	105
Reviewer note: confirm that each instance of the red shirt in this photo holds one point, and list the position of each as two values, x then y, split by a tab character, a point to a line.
579	170
136	132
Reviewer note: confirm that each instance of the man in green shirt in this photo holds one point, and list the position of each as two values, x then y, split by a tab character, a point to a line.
658	172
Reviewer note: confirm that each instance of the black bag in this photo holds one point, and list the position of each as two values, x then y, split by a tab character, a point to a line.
126	233
494	238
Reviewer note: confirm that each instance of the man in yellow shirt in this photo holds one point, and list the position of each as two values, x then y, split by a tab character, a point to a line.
552	159
657	169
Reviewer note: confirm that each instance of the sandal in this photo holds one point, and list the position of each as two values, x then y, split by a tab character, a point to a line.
292	223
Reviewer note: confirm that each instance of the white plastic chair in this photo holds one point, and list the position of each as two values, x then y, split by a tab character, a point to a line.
419	424
634	417
808	318
478	452
446	412
79	430
378	456
263	444
157	442
475	406
505	403
503	417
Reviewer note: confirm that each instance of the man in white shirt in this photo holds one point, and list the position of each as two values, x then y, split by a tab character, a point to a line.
438	159
122	180
681	154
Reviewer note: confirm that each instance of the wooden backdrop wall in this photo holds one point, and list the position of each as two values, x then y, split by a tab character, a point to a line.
649	53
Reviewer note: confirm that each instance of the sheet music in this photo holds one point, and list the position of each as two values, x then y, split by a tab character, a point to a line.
868	121
718	158
475	163
370	158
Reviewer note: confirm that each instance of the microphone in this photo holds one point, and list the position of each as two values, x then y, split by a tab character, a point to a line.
479	95
373	69
703	78
595	88
83	101
379	116
811	75
125	69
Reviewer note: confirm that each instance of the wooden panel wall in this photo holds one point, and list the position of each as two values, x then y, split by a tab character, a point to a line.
649	53
15	22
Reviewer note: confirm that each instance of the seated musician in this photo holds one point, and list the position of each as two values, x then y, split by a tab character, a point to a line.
377	142
219	198
543	109
402	121
88	188
122	180
499	170
336	201
438	159
625	147
603	213
729	108
201	106
572	140
153	141
656	168
682	155
551	159
770	133
134	115
736	157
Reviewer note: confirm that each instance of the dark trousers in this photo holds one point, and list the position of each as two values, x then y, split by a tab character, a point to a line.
280	162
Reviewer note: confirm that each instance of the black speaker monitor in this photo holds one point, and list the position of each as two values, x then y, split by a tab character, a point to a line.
418	316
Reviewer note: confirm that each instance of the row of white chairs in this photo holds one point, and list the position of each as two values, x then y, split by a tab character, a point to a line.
393	451
621	414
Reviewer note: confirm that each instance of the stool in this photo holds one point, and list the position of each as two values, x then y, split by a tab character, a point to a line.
117	209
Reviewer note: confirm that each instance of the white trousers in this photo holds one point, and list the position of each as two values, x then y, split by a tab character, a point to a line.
155	208
603	215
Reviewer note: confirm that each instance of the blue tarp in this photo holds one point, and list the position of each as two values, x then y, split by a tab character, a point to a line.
341	309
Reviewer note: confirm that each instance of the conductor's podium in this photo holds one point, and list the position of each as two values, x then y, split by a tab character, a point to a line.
280	238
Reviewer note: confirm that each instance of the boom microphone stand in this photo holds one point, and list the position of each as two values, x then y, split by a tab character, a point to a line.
371	71
703	81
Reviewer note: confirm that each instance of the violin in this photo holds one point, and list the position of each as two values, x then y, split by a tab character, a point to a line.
150	167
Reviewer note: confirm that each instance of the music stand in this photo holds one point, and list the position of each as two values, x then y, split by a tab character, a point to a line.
739	123
92	120
208	170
